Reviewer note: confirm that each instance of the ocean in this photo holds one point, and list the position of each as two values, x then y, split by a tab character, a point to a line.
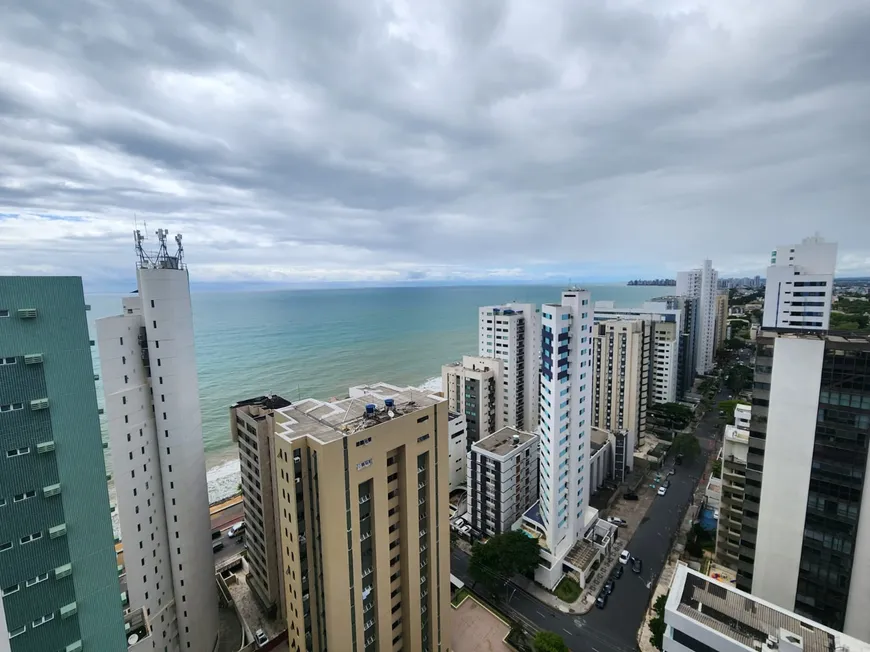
317	343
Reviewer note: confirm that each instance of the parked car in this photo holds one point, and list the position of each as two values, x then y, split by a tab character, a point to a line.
636	564
261	637
679	458
630	495
624	556
609	586
617	572
672	471
601	602
615	520
662	490
217	545
666	484
216	533
236	529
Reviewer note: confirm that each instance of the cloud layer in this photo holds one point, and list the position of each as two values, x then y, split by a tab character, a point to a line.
391	140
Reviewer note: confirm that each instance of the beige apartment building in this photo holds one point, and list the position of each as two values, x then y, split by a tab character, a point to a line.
729	527
621	378
252	428
363	498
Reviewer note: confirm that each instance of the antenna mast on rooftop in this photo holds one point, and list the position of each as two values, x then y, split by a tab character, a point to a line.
161	259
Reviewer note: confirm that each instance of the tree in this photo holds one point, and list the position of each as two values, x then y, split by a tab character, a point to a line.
657	624
686	444
504	555
739	378
716	470
549	642
670	415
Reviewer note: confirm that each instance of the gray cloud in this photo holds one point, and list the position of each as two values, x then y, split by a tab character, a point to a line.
399	140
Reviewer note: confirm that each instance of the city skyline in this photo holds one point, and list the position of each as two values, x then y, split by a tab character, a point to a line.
440	146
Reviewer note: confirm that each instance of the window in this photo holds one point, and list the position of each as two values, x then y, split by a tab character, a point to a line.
31	537
27	494
41	621
5	546
4	312
16	632
33	581
11	407
5	361
9	590
16	452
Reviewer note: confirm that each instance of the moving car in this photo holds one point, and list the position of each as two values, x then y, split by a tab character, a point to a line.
601	602
236	529
609	586
662	490
636	564
624	556
261	637
615	520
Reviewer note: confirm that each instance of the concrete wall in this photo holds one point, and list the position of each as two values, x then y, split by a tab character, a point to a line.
791	425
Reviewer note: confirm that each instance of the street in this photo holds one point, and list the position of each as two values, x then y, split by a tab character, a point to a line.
616	626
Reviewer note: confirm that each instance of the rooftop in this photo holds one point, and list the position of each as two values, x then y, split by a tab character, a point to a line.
838	337
747	620
368	406
503	441
733	433
268	402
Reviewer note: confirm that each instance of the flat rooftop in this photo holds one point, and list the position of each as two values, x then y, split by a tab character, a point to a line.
736	434
747	620
838	337
502	442
330	421
268	402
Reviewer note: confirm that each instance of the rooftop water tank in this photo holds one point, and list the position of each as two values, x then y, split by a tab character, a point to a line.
389	402
370	409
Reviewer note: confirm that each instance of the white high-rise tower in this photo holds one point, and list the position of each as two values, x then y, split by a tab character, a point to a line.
800	285
702	284
151	391
565	421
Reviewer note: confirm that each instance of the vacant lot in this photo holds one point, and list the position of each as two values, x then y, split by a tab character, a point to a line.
476	629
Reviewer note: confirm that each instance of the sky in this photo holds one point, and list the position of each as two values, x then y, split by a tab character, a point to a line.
396	141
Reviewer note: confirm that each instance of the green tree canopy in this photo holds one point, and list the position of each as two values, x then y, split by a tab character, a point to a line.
549	642
686	444
502	557
657	624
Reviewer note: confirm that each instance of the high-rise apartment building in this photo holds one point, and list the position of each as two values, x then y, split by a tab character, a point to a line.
620	381
664	339
511	333
800	285
59	585
702	284
457	429
721	319
567	379
473	387
806	515
363	497
252	427
154	421
502	479
729	527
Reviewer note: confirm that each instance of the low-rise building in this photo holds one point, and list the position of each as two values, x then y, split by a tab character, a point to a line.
704	615
252	427
742	415
502	479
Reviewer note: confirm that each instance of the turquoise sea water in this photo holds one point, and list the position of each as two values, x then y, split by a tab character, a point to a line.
317	343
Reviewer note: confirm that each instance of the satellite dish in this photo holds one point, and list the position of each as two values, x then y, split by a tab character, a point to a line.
391	414
133	639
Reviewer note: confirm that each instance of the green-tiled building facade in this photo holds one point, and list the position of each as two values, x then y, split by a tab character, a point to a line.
58	571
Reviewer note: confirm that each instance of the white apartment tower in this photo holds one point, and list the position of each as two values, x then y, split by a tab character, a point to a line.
702	284
512	333
800	285
155	429
565	422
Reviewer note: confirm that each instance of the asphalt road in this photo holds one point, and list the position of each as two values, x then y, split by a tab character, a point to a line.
615	627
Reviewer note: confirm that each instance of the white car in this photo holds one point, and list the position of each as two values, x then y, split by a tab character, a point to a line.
615	520
261	637
465	529
235	530
624	556
662	491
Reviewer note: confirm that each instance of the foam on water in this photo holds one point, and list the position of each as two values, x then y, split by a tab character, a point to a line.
432	385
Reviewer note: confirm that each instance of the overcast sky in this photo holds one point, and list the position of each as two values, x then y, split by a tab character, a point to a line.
395	140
